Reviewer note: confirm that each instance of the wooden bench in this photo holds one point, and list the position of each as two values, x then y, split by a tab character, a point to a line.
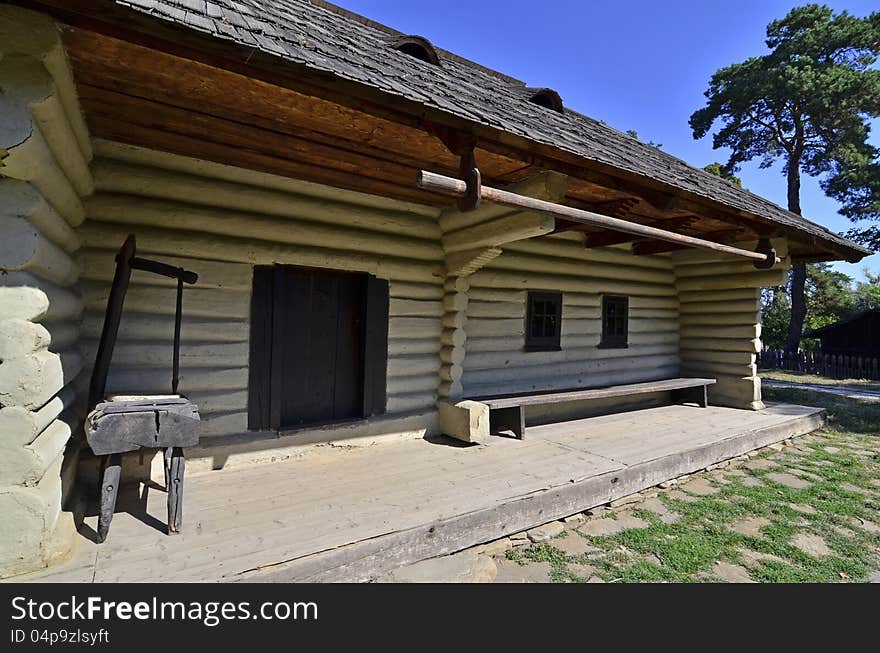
507	413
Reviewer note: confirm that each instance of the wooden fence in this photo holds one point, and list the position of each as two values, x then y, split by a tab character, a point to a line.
815	362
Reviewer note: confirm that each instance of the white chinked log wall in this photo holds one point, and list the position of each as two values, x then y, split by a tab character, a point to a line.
495	361
44	174
720	300
220	221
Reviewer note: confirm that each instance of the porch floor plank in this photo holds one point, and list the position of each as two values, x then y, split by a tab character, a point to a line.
349	514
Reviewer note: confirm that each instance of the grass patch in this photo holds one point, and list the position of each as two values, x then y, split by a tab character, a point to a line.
815	379
842	490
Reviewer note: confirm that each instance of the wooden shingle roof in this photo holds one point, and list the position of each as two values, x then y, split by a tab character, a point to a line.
336	42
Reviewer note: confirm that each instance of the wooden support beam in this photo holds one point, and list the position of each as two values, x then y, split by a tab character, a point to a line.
648	247
497	232
608	238
456	188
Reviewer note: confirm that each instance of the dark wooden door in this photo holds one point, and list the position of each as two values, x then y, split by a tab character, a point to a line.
319	326
327	348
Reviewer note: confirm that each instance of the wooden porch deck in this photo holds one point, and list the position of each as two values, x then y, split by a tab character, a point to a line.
352	514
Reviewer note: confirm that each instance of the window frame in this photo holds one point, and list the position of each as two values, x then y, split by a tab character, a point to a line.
543	343
614	340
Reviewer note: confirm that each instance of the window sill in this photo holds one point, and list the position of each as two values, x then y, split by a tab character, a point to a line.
613	345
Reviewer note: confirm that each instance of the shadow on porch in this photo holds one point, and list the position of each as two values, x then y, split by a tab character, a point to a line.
352	514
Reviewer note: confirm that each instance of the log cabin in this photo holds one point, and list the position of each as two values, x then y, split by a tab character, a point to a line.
388	239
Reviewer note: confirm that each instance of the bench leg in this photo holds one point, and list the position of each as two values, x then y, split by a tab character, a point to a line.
698	395
111	468
175	465
508	419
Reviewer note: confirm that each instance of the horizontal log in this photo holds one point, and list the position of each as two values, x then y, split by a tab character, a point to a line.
405	403
532	384
738	306
496	309
150	326
64	334
404	347
719	319
488	360
210	170
503	343
722	344
32	161
409	290
570	298
31	298
414	328
159	242
127	179
498	232
714	269
652	313
20	426
704	368
219	425
100	265
197	302
215	402
21	337
733	357
495	278
19	198
133	380
702	296
570	247
744	332
192	354
409	366
140	211
415	308
29	381
740	392
454	320
24	249
545	265
582	370
26	466
756	279
398	386
489	294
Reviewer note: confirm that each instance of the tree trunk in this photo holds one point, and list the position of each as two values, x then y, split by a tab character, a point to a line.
798	270
798	307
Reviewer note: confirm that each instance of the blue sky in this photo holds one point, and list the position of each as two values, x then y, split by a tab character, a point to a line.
636	64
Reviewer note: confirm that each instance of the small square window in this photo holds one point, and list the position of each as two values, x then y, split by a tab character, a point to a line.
543	321
615	322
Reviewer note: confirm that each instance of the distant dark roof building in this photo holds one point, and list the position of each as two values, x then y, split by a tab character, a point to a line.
859	334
